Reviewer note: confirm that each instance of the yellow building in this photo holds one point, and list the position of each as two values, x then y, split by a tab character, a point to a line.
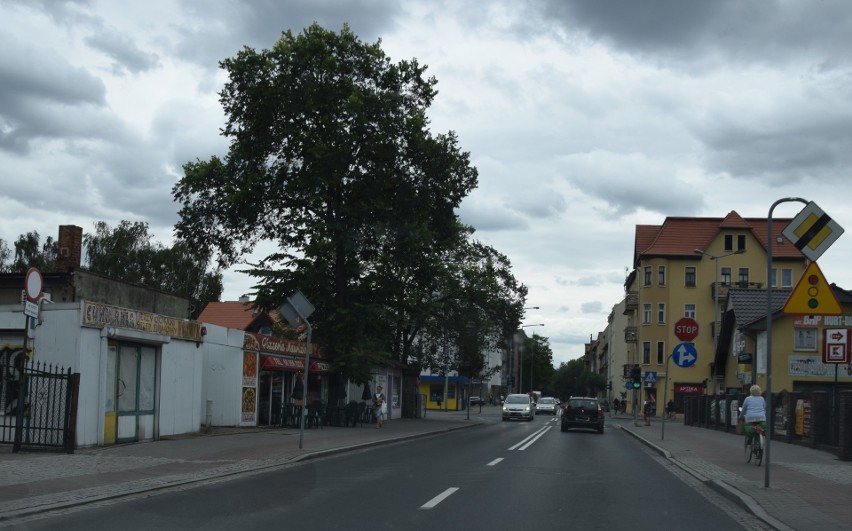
686	268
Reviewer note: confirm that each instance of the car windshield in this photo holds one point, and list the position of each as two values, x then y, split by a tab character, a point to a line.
518	399
547	401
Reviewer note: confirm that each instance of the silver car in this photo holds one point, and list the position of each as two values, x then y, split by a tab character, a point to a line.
547	405
518	407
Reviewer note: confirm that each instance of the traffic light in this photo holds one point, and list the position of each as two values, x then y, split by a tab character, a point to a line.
636	376
609	386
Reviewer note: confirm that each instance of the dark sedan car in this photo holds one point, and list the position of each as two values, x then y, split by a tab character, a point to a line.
582	412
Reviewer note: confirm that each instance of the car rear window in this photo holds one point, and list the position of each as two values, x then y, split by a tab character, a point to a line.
578	403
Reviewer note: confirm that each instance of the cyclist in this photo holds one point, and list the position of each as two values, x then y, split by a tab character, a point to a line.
753	412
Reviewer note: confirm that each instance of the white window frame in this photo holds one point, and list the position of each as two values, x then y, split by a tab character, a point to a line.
805	339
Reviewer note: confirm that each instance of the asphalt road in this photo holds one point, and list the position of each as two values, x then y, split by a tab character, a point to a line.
515	475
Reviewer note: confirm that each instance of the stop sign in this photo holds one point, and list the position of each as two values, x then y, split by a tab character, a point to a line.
686	329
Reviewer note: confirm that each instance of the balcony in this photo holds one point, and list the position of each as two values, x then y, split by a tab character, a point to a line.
631	334
631	302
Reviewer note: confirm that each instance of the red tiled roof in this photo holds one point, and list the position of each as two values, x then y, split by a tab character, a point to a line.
680	236
235	314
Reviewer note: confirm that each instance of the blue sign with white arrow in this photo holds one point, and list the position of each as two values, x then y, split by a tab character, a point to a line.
684	355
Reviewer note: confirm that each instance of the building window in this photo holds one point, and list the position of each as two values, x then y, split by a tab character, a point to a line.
646	313
689	311
742	280
786	278
805	339
661	275
661	349
729	242
646	352
741	239
661	313
725	276
689	277
647	275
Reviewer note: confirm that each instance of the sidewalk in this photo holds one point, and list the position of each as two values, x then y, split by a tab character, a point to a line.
808	489
34	482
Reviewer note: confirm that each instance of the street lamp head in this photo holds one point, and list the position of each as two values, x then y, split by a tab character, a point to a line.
698	251
526	326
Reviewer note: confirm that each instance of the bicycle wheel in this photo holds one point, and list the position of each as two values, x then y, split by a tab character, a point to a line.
748	451
758	450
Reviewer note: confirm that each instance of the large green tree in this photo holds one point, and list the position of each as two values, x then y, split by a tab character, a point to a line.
331	159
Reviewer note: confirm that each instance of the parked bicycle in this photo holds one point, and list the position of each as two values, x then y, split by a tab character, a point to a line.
754	442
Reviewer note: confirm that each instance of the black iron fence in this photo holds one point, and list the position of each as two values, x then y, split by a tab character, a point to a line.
38	403
816	418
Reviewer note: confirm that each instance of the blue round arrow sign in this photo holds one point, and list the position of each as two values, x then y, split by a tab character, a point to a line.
684	355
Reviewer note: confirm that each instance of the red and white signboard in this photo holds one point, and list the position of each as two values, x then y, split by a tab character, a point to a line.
835	345
686	329
33	286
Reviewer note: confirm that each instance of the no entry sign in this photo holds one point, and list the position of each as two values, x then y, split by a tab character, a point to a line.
686	329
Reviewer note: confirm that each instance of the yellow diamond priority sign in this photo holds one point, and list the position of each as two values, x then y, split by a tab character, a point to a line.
812	231
812	295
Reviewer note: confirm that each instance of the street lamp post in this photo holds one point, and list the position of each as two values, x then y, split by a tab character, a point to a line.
716	323
521	377
512	358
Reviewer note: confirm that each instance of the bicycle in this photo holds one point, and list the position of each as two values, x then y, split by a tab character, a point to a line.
754	445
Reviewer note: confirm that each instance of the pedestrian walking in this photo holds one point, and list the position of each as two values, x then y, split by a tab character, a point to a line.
380	407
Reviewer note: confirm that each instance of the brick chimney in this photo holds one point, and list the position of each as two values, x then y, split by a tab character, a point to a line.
70	248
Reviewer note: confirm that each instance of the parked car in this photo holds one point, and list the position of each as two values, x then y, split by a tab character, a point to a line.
582	412
546	404
518	407
475	401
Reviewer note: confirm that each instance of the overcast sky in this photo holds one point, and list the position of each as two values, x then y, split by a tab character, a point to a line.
584	118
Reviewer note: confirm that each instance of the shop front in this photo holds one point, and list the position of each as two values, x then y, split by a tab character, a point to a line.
280	364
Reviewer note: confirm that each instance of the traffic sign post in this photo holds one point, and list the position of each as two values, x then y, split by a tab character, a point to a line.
686	329
812	231
33	287
684	356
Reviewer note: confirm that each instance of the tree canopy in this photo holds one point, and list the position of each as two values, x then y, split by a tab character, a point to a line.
332	161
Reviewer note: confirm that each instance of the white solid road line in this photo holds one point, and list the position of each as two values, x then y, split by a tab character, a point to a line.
531	438
492	463
543	431
439	498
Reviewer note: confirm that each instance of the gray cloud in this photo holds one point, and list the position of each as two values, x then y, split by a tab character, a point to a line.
223	27
126	55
